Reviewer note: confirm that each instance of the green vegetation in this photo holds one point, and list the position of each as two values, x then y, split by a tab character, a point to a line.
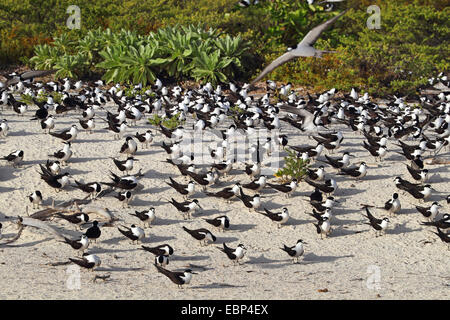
165	39
294	167
176	52
41	97
412	44
169	123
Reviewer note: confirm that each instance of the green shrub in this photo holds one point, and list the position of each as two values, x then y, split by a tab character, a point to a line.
294	167
125	56
412	44
170	123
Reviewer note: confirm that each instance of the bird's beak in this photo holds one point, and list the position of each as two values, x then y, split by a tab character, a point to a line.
194	272
305	242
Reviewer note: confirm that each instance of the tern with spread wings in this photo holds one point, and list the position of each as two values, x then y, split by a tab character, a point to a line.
304	48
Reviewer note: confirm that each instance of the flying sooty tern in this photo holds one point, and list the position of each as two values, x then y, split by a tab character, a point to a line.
28	75
295	252
309	123
303	49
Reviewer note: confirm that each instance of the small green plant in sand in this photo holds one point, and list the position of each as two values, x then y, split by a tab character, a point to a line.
169	123
41	97
145	91
294	167
235	112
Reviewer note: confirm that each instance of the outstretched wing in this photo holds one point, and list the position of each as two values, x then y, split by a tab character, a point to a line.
273	65
312	36
29	75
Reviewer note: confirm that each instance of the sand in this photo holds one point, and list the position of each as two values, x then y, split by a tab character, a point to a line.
409	262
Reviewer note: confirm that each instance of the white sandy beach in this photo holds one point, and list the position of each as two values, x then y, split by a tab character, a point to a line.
413	263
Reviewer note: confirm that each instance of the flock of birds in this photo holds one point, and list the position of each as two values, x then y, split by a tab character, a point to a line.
210	109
